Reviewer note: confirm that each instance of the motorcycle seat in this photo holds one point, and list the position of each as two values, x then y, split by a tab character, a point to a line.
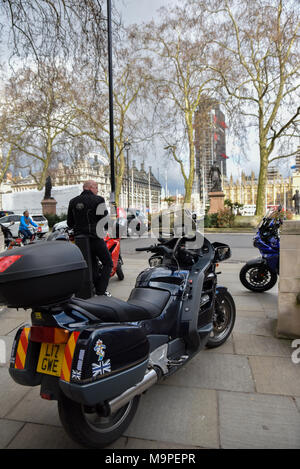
143	303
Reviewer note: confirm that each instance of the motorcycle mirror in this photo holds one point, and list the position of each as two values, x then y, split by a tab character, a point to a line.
222	251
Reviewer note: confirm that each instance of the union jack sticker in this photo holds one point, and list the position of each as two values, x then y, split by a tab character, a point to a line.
76	374
101	368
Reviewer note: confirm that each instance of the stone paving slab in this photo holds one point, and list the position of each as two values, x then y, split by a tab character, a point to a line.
9	326
249	344
276	375
215	371
246	302
135	443
181	415
257	421
227	347
8	430
244	313
253	325
271	313
19	314
34	436
11	392
32	408
297	400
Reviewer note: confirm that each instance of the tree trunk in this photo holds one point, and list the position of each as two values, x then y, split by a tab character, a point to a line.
262	181
189	182
119	178
6	165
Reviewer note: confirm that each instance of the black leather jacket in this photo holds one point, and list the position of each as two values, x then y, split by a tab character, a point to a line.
82	215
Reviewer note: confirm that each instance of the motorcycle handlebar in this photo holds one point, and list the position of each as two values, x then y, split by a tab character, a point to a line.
166	250
150	248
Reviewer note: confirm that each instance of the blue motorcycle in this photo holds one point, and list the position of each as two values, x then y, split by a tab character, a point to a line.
261	274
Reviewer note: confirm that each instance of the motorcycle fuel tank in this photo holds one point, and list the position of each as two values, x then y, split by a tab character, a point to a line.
164	278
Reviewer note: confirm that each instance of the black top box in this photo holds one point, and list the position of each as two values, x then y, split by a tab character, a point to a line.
40	274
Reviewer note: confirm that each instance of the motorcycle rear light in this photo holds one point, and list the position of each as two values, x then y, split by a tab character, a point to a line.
49	335
7	261
45	395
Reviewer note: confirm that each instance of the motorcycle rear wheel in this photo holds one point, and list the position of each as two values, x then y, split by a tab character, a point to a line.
223	320
257	278
89	426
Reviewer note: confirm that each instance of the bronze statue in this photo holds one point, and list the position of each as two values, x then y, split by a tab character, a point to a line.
296	199
48	187
215	177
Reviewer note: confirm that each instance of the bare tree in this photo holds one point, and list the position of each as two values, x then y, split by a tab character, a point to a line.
180	77
42	107
130	79
38	28
256	56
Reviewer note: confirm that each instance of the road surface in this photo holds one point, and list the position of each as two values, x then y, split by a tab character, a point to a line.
240	243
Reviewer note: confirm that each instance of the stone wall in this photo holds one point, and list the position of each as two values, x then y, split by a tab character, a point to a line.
288	324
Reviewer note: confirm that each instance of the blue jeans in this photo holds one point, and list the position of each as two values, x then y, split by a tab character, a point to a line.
26	233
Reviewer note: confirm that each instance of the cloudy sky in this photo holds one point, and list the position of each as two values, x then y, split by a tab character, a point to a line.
137	11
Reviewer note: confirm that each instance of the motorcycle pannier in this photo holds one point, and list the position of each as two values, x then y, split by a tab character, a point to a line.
40	274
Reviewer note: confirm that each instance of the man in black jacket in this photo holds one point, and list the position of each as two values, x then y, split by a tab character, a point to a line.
84	214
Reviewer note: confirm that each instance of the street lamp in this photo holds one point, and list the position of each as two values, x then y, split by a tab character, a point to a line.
127	146
111	107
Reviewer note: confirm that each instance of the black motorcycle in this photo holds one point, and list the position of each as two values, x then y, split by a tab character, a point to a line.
97	356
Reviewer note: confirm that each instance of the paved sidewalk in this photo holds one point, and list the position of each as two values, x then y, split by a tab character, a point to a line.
245	394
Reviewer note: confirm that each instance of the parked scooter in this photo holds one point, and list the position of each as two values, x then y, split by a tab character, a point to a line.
260	274
113	245
9	240
97	356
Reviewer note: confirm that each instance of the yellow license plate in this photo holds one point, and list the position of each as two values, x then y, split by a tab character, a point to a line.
51	359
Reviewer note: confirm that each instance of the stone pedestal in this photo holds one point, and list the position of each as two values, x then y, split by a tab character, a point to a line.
288	324
216	200
49	206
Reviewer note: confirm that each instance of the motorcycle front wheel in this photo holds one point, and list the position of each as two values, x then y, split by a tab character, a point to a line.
257	277
119	271
90	427
223	320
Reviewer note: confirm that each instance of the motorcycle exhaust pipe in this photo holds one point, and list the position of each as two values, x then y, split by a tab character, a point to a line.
118	402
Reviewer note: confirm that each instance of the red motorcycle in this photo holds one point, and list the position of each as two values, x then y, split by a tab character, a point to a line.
113	245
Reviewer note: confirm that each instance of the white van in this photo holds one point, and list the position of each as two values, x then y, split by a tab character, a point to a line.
248	210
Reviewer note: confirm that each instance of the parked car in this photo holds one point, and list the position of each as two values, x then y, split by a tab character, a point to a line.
61	225
40	220
3	213
137	222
